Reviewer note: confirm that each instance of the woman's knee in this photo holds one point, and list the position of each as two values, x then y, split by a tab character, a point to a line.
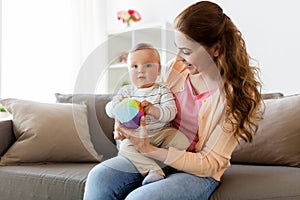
110	168
95	179
98	176
112	179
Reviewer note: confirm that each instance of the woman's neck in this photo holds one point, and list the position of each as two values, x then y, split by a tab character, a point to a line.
202	82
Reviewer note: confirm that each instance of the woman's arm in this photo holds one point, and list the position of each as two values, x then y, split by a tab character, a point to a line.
216	142
212	158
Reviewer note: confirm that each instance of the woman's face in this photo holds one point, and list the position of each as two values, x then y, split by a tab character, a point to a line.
196	58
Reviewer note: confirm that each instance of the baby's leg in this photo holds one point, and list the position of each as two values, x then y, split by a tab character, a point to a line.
144	165
171	137
165	138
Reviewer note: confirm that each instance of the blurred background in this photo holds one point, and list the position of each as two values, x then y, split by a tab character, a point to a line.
46	44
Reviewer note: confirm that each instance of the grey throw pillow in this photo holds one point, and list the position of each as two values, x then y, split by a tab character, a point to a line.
48	132
278	138
101	126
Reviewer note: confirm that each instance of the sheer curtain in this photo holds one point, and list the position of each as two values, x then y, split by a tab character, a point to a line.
44	44
0	48
91	32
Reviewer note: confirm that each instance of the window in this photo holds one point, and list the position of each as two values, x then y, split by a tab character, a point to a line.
43	46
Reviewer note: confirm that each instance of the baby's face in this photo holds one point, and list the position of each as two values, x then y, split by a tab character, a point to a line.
144	67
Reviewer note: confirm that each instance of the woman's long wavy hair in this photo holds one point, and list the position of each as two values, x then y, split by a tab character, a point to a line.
206	23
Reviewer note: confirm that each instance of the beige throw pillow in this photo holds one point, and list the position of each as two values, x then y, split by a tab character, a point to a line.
48	132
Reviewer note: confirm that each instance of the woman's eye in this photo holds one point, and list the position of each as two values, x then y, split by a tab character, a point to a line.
185	52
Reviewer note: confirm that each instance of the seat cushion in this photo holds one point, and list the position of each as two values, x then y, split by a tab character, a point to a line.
44	181
259	182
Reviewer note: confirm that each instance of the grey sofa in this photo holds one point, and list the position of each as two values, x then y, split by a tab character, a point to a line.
269	168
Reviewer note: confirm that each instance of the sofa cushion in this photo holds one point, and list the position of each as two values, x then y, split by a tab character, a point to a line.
278	138
44	181
101	126
48	133
259	182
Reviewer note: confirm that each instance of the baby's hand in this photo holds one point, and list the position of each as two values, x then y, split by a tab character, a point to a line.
150	109
122	98
119	100
147	106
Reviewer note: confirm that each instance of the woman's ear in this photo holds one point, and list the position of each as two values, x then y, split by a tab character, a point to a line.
216	49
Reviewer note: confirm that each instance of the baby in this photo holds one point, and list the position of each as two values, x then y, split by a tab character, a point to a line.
159	108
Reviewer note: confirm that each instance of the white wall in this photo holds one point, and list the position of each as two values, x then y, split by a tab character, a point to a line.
270	28
35	42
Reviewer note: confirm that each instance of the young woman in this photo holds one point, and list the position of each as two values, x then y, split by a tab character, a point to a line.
218	98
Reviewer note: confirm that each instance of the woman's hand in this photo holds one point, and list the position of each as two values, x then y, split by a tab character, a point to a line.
117	134
139	139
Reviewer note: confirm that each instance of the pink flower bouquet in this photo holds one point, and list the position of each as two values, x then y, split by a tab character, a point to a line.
129	15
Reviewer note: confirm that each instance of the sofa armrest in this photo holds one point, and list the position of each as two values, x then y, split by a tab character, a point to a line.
7	137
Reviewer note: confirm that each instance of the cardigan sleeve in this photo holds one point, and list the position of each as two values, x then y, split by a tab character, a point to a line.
213	157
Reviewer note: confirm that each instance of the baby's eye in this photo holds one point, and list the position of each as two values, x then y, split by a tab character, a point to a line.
148	65
134	66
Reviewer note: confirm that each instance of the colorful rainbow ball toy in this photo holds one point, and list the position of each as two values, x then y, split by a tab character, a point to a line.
129	113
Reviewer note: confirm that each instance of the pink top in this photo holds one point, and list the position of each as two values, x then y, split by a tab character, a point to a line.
215	146
188	106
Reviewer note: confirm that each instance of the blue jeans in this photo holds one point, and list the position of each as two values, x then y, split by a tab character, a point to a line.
117	178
